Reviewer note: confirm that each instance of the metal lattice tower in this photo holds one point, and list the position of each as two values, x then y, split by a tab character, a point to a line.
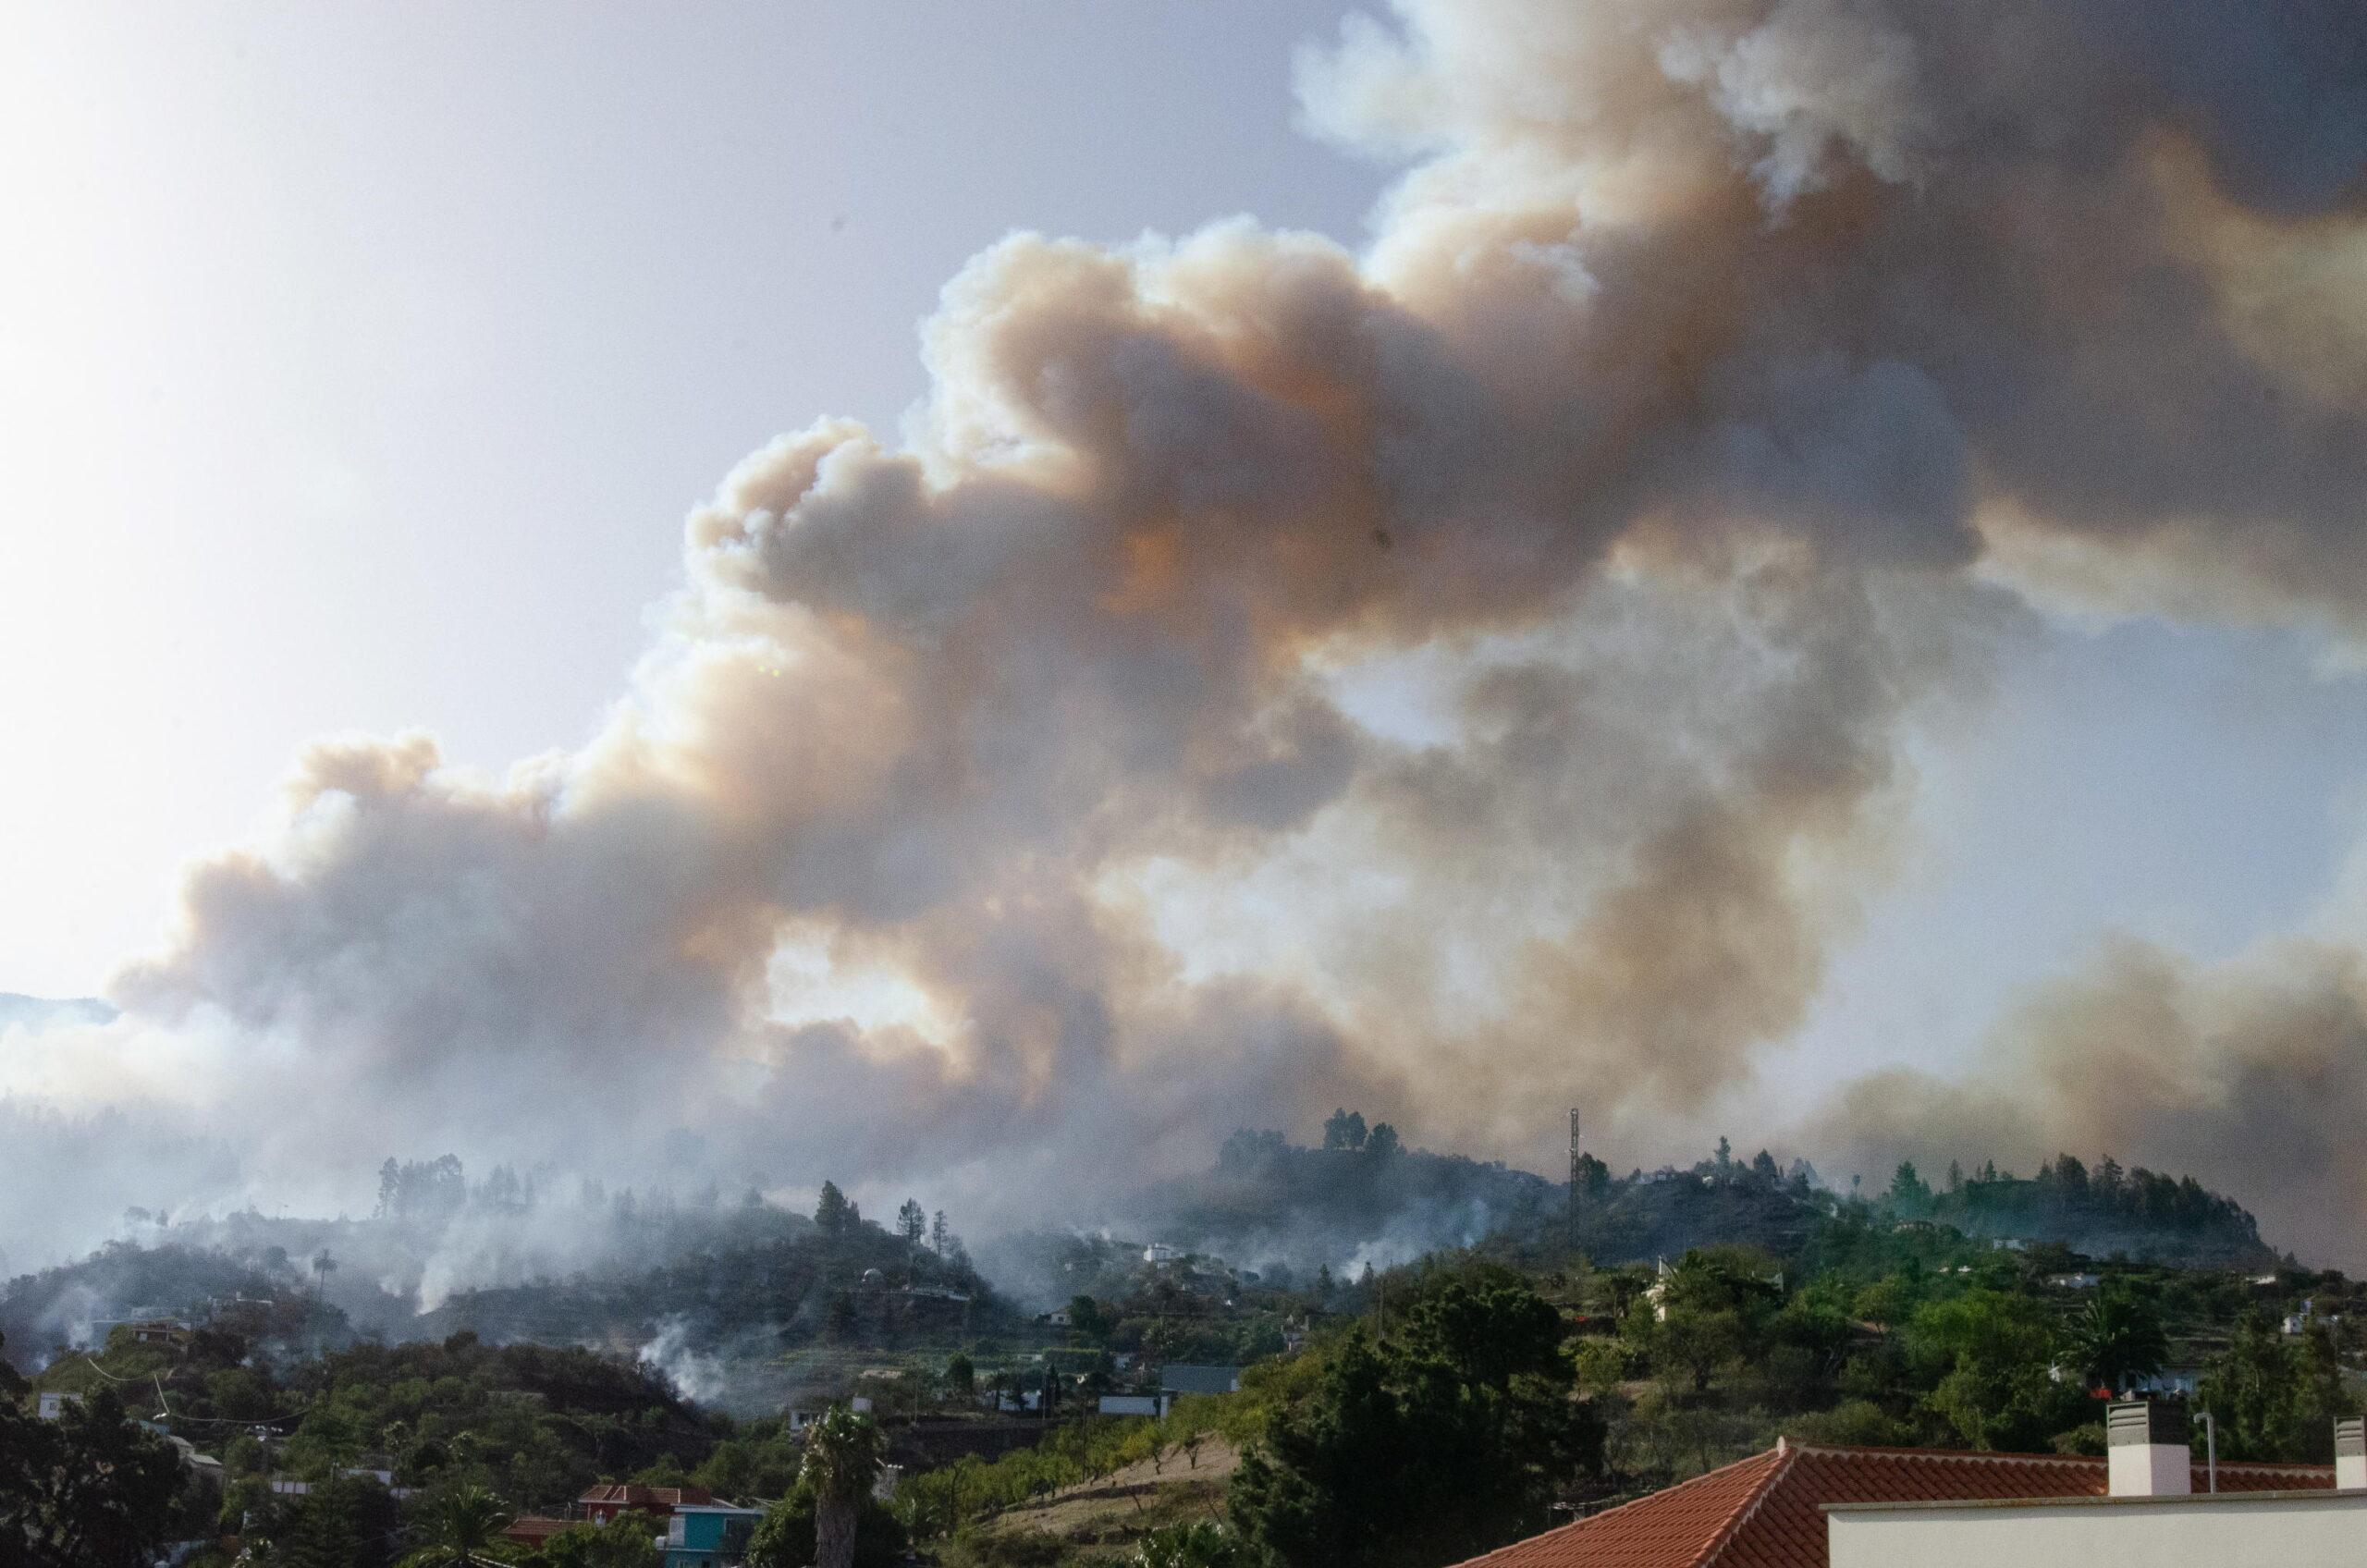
1574	1176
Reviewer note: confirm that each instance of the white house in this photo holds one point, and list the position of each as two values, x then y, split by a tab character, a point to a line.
2149	1504
2152	1514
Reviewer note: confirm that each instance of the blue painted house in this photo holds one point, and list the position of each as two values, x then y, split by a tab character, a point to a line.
709	1535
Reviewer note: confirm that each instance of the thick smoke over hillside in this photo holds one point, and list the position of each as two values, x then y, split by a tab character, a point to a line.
2254	1071
1468	675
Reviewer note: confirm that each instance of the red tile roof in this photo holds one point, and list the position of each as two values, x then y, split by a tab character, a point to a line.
653	1500
1764	1511
535	1529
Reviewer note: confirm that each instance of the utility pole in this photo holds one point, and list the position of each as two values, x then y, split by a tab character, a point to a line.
1574	1174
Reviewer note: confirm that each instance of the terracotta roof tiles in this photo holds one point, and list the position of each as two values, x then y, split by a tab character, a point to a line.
656	1499
1765	1512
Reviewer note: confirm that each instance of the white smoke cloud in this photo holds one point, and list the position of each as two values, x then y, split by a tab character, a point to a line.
1676	422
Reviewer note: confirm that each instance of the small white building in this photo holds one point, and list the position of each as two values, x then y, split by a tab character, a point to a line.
2151	1515
2298	1323
800	1418
206	1467
1803	1506
2174	1381
2314	1529
52	1406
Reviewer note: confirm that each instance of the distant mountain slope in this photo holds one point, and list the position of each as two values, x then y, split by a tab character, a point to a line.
1269	1201
43	1012
2103	1212
860	1284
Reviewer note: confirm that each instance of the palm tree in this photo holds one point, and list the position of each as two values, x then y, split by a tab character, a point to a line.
2116	1339
841	1462
466	1528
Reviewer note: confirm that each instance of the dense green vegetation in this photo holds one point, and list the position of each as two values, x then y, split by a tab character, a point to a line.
1430	1444
1410	1414
942	1503
90	1489
2108	1211
1364	1190
1577	1385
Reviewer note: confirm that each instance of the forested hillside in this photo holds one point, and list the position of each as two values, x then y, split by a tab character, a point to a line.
1362	1197
2104	1212
1576	1354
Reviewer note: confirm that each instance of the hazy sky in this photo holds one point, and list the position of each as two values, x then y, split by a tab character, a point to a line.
358	363
361	361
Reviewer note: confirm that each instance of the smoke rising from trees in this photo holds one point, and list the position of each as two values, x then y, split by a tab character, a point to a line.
1461	675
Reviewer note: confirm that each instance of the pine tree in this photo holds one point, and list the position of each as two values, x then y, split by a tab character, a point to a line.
833	1213
1344	1129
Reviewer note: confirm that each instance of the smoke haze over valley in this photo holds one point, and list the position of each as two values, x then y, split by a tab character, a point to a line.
1493	667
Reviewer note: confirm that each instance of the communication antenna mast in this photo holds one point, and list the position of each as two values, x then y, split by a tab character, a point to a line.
1574	1176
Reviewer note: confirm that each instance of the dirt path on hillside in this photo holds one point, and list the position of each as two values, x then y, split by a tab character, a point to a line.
1093	1508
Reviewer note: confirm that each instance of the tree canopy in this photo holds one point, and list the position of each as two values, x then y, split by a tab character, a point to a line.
1429	1447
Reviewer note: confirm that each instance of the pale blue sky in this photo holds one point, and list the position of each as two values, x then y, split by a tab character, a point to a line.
2197	788
363	359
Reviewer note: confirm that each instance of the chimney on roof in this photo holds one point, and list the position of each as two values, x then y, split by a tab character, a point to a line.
2145	1440
2351	1455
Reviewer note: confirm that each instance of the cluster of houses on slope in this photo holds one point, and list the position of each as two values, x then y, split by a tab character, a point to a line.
2299	1323
700	1530
1155	1396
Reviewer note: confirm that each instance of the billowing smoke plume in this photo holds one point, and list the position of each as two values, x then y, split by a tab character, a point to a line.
1464	675
2253	1072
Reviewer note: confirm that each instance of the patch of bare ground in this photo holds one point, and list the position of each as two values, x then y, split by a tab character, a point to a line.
1117	1509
